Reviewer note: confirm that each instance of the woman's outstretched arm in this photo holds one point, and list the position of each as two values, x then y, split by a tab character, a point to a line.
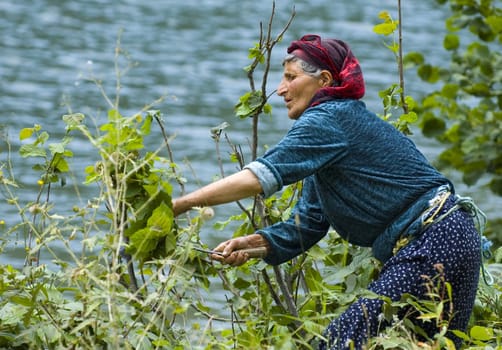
232	188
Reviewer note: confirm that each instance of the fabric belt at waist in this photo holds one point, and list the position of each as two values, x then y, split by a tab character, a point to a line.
442	205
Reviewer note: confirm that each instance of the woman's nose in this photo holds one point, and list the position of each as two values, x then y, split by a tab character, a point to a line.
281	89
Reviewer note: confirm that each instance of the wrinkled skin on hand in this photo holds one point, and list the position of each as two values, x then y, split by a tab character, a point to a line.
232	249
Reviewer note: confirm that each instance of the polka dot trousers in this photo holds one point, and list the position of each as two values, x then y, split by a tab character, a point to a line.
451	245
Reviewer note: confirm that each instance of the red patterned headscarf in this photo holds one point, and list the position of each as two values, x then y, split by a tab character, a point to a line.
335	56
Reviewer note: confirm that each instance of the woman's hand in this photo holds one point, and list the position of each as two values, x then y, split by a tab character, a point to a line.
232	249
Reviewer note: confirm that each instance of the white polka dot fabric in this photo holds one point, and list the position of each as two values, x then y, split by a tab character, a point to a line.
452	243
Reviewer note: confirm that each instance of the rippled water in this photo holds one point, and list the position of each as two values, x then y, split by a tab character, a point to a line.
191	50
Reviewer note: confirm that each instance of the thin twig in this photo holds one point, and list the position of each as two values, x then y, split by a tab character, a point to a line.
271	288
400	58
169	152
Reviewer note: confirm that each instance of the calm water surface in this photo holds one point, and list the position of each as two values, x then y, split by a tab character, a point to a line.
193	51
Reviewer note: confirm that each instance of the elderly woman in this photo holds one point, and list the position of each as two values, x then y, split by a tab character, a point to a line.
361	177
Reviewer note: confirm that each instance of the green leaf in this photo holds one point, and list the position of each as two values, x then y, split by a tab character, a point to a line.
314	281
432	126
114	115
256	54
267	108
249	103
394	47
450	91
148	241
496	186
241	283
74	306
428	316
350	283
451	42
32	151
162	343
56	148
412	59
161	219
42	138
11	314
385	28
73	120
388	26
495	23
134	143
317	253
26	133
410	102
410	117
49	333
481	333
147	125
339	275
460	334
60	164
479	89
169	244
22	300
385	16
142	242
428	73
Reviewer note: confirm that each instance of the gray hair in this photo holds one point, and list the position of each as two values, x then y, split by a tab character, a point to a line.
306	67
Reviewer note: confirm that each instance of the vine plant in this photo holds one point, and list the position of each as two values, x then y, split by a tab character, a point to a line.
137	282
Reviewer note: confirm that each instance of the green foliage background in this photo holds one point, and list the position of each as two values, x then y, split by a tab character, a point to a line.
139	284
465	113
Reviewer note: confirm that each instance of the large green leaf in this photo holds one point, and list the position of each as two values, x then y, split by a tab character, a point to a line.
32	151
482	333
12	314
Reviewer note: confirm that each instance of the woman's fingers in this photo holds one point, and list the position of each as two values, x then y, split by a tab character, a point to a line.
231	254
235	258
220	247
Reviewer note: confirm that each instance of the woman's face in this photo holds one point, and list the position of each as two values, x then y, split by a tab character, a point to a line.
297	88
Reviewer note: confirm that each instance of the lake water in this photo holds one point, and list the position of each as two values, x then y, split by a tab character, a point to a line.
191	50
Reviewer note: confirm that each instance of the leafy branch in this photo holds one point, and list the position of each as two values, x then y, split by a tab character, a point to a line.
394	96
253	103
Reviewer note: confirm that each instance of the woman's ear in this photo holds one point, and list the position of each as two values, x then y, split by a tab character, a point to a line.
326	79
